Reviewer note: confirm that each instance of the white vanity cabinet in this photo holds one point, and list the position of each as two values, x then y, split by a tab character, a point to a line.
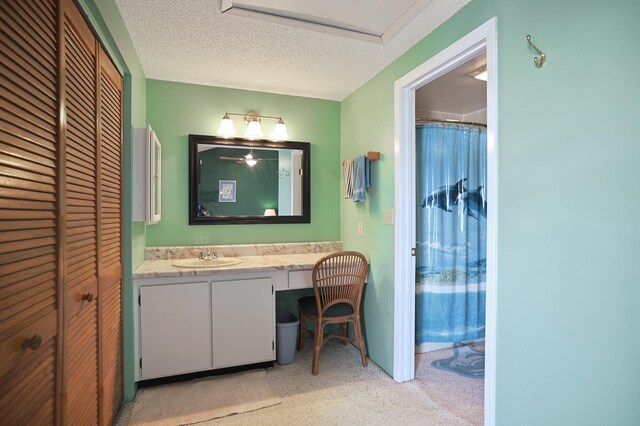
175	325
243	321
190	324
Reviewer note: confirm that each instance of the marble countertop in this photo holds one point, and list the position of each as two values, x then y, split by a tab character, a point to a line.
164	268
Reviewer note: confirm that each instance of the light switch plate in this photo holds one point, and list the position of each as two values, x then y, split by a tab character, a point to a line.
360	229
388	216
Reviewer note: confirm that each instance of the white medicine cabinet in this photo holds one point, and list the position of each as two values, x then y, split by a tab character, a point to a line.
147	176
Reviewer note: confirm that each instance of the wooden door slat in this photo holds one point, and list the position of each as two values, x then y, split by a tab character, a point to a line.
27	82
25	244
16	58
17	23
27	185
17	97
17	158
14	214
16	141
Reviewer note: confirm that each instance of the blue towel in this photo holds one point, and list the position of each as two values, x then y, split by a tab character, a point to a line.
361	178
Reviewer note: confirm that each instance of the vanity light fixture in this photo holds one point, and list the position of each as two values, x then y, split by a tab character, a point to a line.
254	131
280	131
253	127
226	129
480	73
270	212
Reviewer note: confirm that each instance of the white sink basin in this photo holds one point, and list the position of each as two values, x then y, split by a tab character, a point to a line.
206	263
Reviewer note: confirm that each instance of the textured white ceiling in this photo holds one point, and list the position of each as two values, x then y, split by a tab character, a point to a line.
191	41
455	92
375	21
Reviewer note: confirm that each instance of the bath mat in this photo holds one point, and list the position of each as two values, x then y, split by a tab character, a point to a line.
203	399
466	361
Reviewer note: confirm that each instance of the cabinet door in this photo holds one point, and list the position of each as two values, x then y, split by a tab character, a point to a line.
175	329
243	314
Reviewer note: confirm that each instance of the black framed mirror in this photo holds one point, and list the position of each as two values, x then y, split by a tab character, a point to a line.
240	181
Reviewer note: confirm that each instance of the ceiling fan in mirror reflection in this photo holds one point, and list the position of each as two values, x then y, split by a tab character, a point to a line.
249	159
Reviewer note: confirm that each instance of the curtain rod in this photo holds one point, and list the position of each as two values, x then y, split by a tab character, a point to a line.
464	123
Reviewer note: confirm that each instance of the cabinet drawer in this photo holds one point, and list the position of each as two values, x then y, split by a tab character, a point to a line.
300	279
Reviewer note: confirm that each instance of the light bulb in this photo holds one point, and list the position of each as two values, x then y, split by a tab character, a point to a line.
250	160
253	130
480	73
226	129
482	76
280	131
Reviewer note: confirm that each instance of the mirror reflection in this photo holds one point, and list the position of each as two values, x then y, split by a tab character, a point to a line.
241	181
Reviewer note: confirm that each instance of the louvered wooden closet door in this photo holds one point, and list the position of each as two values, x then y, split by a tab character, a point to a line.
110	237
81	271
28	220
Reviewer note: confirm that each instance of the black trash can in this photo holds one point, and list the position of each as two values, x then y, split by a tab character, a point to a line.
286	335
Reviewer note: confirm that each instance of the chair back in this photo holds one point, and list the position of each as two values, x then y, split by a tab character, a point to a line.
339	278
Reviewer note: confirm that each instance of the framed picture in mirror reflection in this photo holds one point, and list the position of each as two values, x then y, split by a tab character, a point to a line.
226	191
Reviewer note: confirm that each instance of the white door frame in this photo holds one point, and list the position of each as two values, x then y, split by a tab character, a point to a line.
482	38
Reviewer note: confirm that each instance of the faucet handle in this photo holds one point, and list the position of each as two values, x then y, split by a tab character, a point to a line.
215	254
200	254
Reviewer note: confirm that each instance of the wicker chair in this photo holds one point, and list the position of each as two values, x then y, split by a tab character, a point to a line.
338	280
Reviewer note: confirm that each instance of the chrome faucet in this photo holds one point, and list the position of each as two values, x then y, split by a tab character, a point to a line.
207	255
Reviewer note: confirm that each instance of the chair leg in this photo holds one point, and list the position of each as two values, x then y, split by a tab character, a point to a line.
358	333
302	331
343	333
317	344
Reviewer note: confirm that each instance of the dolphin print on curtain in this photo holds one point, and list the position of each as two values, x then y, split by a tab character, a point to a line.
451	170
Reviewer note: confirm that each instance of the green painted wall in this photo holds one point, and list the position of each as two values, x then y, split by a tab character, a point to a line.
567	343
568	293
107	22
256	187
176	110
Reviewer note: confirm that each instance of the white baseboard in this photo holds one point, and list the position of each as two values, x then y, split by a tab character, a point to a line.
436	346
432	346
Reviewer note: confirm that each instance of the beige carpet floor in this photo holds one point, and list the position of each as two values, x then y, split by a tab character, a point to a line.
345	393
199	400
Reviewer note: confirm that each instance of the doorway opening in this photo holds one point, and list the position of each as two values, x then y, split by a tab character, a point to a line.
480	41
451	211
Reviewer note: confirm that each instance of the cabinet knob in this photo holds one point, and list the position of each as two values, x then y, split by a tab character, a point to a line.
33	343
88	297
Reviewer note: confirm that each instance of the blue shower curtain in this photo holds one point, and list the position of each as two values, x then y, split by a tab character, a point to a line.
451	169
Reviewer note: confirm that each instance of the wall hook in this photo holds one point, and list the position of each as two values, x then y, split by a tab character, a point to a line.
539	61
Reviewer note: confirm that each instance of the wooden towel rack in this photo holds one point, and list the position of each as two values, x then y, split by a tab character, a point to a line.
373	155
